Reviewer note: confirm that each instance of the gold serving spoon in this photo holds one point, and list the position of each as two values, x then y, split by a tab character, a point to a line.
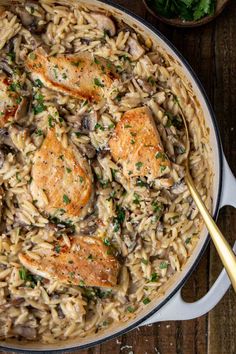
224	250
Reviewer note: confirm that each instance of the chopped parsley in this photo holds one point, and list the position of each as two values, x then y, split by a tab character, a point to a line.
57	248
136	199
161	155
138	165
98	83
188	240
81	179
18	177
119	219
154	277
163	265
90	257
66	199
132	141
38	83
151	80
76	63
50	121
144	261
162	168
68	170
146	301
99	126
176	121
130	309
106	242
127	126
64	76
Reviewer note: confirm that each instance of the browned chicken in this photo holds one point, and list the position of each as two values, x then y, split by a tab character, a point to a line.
79	75
136	145
88	262
63	175
12	105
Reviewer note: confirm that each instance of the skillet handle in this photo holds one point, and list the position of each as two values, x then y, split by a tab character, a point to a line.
177	308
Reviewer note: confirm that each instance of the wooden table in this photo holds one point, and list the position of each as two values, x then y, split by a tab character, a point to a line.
211	51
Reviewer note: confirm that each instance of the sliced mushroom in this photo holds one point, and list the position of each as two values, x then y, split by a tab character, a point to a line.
104	22
85	122
5	66
179	187
88	150
22	109
146	86
34	23
135	48
24	331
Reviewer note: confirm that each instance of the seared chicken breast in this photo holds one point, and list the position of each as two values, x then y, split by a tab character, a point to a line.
136	145
88	262
61	178
79	75
11	104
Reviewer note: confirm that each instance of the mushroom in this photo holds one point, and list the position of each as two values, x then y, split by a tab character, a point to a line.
88	150
104	23
179	187
2	159
24	331
146	86
31	22
89	225
22	109
85	122
5	66
135	48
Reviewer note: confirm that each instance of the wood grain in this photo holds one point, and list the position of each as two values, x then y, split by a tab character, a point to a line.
211	51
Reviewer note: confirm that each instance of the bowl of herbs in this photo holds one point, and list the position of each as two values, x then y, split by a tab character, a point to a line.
185	13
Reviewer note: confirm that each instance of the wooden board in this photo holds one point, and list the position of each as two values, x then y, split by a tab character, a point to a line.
211	51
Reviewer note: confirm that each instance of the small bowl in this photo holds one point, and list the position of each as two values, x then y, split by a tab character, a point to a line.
177	22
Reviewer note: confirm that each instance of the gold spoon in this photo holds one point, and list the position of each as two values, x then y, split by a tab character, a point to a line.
224	250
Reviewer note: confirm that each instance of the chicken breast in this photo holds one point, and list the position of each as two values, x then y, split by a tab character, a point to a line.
79	75
88	262
61	179
136	145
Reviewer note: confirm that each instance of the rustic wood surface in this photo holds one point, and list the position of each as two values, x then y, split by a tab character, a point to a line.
211	51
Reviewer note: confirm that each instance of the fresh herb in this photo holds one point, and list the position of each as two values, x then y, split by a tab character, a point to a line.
156	207
146	301
141	183
163	265
189	10
39	107
176	121
81	283
119	219
106	242
76	63
151	80
11	56
81	179
162	168
18	177
188	240
14	86
23	273
154	277
98	83
96	61
161	155
68	170
72	275
132	141
38	83
90	257
32	56
138	165
136	199
124	57
66	199
99	126
64	76
127	126
130	309
144	261
57	249
50	121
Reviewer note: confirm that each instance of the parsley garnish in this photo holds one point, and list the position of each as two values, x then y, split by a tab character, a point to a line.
138	165
146	301
163	265
66	199
98	83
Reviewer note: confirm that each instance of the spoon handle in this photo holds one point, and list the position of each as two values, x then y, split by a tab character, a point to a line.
224	250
